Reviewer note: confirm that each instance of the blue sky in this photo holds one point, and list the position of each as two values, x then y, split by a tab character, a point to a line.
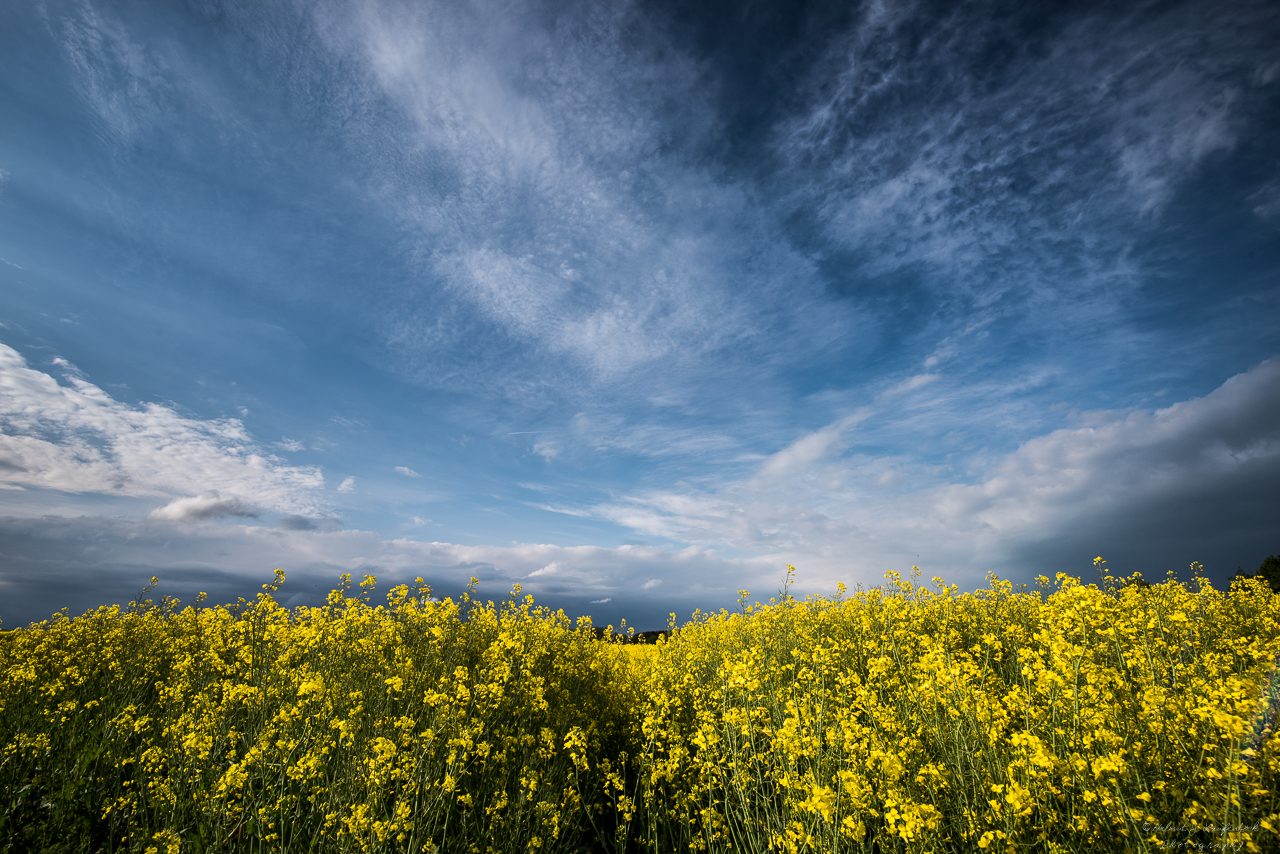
633	303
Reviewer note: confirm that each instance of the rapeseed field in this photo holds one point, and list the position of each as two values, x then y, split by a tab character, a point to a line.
1066	718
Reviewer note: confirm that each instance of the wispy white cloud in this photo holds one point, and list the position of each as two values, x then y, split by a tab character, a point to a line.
550	569
608	430
911	383
407	472
67	368
348	484
547	450
1267	199
570	226
76	438
1006	170
121	79
807	450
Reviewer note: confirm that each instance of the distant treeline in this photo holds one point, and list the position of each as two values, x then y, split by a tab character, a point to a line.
633	637
1269	572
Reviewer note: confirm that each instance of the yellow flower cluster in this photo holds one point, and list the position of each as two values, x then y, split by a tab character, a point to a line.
1068	718
419	725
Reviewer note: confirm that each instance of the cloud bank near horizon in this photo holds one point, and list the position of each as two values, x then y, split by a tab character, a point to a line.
81	563
842	518
1216	456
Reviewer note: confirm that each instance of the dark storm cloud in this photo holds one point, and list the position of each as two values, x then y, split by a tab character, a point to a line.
1225	523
